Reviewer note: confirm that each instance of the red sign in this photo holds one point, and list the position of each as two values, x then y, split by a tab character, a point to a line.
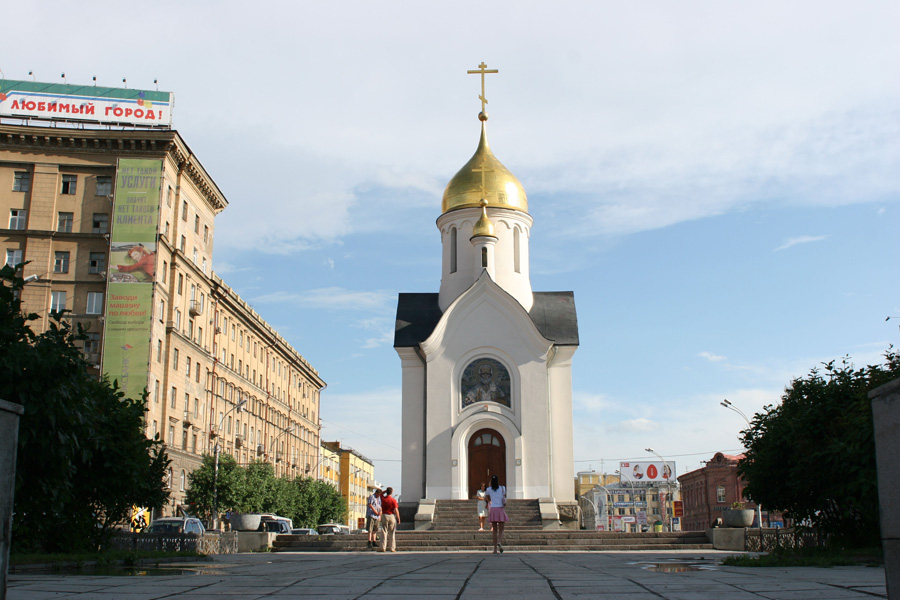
677	508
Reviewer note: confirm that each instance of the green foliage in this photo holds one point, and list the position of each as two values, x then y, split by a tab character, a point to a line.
83	459
813	456
255	489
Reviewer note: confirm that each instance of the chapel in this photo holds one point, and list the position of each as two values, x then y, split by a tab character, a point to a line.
486	361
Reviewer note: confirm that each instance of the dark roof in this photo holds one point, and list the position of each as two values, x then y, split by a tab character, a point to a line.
553	313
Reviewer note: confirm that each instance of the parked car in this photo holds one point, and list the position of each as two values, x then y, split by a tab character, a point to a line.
333	529
269	516
176	525
274	524
304	531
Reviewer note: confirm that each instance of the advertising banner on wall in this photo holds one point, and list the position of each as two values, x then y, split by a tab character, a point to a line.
82	103
647	472
132	270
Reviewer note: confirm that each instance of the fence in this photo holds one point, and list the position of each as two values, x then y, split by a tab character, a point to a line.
766	540
207	543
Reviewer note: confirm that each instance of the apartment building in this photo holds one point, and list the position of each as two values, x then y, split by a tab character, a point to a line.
117	226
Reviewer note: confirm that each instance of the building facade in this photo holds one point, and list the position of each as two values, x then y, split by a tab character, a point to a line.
214	370
356	476
714	488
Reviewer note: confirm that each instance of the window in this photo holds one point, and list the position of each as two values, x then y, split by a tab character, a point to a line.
165	270
13	257
206	233
61	263
155	397
68	184
188	366
94	303
92	343
180	282
197	373
21	181
175	359
187	402
162	310
184	211
196	223
57	301
205	267
166	231
17	217
158	350
100	223
155	429
195	256
182	245
173	397
169	196
64	222
516	251
104	185
199	337
453	249
177	319
97	263
171	443
720	493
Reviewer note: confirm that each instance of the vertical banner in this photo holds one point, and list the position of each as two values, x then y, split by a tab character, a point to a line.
132	271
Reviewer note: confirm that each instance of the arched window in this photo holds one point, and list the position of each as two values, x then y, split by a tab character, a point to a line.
453	249
183	477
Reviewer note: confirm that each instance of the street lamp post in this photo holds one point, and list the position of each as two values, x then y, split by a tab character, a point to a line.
215	519
272	449
667	474
727	404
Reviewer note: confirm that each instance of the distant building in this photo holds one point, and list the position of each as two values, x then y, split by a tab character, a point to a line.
356	477
708	491
118	226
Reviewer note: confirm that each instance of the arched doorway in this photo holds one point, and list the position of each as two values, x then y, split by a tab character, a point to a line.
487	456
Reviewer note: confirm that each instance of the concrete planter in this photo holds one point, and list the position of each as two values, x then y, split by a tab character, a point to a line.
739	517
244	521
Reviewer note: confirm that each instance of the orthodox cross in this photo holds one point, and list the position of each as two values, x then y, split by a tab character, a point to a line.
483	168
483	70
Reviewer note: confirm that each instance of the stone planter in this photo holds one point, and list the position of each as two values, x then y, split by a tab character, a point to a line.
244	521
739	517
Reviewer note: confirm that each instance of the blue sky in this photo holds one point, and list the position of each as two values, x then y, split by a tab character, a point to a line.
717	182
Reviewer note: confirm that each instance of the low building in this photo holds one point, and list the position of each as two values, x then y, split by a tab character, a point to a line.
356	476
714	488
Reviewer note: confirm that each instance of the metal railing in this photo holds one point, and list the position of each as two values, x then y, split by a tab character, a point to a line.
766	540
206	543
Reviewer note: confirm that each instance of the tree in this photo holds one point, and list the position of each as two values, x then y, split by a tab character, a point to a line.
255	488
813	456
83	459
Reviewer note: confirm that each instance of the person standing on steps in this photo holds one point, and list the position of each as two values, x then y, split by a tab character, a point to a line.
496	497
373	517
482	506
390	517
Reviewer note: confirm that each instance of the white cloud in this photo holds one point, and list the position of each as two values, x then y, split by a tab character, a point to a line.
332	298
640	425
711	357
803	239
385	339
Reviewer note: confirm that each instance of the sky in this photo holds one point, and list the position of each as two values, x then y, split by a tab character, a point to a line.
718	183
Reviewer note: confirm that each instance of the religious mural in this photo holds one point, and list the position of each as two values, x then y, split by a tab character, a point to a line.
485	379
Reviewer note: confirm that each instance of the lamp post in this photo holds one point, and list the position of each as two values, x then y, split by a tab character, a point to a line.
667	474
215	520
727	404
272	450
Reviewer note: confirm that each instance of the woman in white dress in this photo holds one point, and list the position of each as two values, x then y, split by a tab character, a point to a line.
482	506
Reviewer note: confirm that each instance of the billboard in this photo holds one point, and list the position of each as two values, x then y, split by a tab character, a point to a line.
132	271
93	104
647	472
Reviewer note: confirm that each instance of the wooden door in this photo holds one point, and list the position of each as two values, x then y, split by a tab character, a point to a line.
487	456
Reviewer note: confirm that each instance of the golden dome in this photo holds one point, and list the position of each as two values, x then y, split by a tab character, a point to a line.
484	177
483	226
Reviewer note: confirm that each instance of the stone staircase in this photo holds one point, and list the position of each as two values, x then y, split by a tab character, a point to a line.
462	515
515	540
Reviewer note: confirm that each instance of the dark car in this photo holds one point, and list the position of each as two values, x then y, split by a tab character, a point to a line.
274	525
176	525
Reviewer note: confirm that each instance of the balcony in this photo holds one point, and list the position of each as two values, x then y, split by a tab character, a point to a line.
196	309
238	441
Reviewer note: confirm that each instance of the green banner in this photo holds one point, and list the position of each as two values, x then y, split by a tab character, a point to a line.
132	271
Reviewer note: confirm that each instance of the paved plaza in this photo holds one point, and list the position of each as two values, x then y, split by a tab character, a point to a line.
456	575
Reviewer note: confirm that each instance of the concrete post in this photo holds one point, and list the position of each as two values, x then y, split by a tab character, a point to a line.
9	439
886	416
